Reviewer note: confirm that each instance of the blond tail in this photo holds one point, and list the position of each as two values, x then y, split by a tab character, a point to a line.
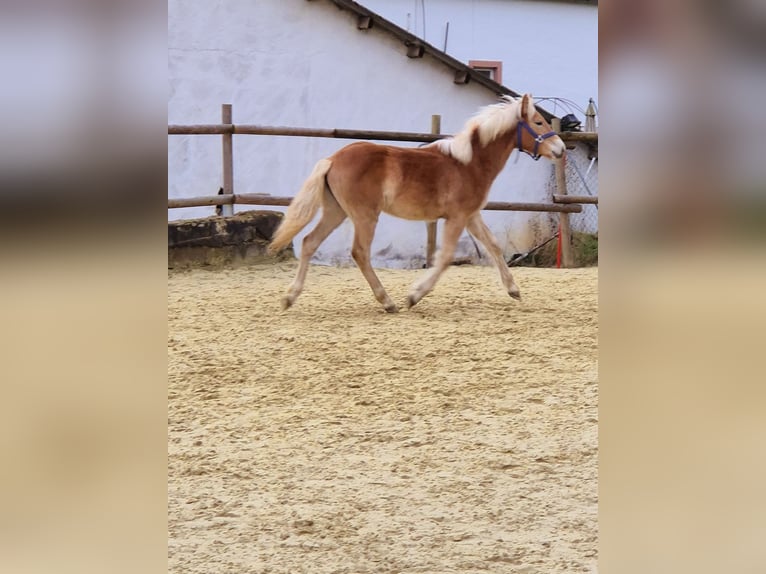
303	207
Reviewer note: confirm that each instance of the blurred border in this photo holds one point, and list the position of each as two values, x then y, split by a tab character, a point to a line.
682	278
83	307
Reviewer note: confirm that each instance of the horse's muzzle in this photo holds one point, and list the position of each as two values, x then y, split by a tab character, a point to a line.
559	149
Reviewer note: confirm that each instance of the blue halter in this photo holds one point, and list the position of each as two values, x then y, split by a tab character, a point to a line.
538	138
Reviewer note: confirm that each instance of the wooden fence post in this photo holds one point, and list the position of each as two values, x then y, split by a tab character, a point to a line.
436	128
228	159
561	186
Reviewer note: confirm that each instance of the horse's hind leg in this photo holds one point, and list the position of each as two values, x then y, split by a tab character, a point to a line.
363	234
452	230
332	216
480	231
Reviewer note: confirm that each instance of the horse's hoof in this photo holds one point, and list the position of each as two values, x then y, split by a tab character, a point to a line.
411	301
287	302
392	308
515	294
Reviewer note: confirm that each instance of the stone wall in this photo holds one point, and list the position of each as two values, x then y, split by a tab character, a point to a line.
220	241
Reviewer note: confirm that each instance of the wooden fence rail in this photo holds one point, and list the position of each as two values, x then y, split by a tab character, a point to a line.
249	129
593	199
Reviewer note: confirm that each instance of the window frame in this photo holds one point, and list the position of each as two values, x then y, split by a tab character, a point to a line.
494	66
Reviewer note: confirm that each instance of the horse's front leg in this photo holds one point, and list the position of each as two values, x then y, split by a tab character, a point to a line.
480	231
452	230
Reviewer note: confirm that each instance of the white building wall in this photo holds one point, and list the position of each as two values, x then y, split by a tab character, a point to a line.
305	64
547	48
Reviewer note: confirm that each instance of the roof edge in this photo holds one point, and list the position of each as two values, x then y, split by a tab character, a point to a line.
410	39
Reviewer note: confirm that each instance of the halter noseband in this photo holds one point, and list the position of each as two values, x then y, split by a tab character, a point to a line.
538	138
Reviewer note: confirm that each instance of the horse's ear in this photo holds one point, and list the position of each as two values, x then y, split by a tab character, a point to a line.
525	105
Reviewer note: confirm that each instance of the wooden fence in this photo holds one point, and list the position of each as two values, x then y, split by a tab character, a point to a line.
562	203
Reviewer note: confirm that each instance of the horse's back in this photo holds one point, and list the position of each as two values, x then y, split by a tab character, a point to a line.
358	162
366	156
405	182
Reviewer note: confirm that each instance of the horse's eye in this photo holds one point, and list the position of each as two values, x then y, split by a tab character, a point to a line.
538	123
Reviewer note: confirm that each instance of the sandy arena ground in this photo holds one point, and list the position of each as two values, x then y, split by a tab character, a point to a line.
459	436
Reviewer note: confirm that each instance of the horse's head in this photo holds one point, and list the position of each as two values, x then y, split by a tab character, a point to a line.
534	135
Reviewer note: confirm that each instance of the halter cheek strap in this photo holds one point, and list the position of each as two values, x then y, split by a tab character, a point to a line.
539	138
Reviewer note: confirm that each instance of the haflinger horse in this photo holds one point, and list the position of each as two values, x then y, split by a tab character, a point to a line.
449	178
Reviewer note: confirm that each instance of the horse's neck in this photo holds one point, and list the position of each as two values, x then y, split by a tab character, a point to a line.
492	158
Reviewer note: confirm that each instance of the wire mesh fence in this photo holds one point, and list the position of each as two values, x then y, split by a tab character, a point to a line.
582	179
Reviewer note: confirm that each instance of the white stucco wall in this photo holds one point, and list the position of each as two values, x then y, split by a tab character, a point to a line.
547	48
305	64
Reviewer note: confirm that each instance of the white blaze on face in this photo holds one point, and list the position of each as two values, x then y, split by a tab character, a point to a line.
557	146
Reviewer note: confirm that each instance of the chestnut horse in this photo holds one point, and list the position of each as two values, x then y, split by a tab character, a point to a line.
449	178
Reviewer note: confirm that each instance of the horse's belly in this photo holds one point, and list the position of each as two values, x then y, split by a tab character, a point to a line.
417	206
413	212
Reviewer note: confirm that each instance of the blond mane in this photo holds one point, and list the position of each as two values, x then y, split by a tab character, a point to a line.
491	122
